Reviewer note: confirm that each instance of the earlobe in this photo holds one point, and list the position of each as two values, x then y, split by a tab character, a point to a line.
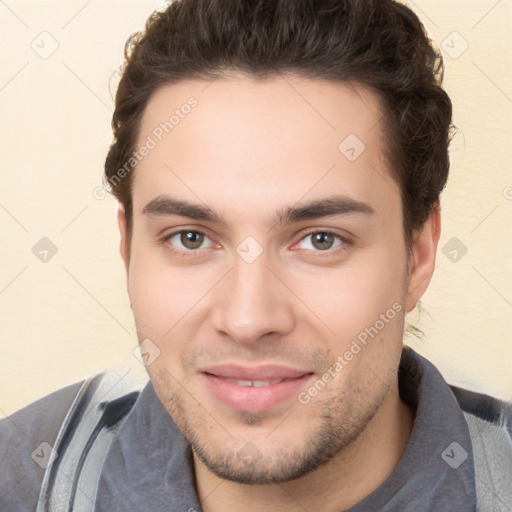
422	258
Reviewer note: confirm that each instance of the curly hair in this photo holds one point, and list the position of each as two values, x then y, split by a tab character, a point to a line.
378	43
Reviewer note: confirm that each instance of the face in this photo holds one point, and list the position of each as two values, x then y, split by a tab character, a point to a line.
268	271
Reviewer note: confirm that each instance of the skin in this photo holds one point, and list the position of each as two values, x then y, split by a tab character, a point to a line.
249	150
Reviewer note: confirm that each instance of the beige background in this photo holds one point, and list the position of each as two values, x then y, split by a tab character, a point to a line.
69	318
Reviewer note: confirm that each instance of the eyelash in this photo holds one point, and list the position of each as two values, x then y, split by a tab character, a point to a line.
184	253
193	253
328	252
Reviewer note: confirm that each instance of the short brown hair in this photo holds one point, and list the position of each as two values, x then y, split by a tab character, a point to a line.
378	43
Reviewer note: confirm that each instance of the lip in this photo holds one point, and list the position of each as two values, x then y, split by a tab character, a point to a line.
262	372
221	381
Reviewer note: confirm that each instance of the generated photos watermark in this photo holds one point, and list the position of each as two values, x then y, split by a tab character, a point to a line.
151	142
361	341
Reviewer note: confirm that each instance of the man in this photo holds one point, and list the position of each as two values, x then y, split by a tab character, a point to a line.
278	166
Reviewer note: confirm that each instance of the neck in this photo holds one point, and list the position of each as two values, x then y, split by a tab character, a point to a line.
353	474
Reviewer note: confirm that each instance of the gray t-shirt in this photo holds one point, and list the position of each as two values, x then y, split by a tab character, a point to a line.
149	468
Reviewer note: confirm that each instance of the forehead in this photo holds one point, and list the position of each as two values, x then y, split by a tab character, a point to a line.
260	142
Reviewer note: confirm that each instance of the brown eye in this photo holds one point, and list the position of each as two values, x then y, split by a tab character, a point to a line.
188	240
321	241
191	239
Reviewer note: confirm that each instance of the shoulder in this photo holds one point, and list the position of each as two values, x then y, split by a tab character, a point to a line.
26	444
489	409
489	421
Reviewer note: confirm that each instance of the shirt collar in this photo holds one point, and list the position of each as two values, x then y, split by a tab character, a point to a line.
436	470
149	463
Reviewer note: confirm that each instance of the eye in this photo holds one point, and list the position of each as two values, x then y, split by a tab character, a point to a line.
321	241
189	240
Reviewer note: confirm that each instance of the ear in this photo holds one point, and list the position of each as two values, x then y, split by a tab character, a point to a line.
422	258
124	250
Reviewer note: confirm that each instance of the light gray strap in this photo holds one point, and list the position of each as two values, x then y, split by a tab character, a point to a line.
70	482
492	451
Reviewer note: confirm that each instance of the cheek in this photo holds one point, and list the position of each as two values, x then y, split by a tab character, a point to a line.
167	300
162	310
156	292
149	294
358	299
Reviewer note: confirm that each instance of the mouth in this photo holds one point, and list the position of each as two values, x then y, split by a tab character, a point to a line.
255	383
255	389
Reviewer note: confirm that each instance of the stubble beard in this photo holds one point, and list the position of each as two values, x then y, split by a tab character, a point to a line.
340	421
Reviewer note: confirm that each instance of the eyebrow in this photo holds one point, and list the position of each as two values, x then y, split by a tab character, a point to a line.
163	206
327	207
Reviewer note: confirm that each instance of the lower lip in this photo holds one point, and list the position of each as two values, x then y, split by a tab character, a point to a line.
255	399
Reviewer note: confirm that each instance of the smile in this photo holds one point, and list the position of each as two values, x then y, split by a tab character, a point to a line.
257	389
255	383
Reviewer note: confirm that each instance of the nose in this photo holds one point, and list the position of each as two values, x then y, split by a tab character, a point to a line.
253	303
